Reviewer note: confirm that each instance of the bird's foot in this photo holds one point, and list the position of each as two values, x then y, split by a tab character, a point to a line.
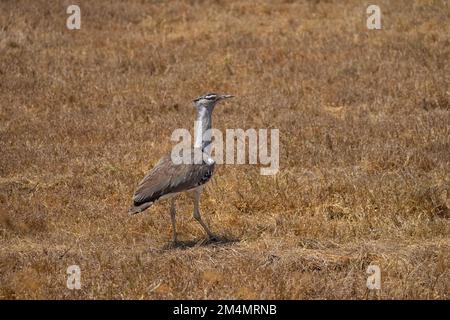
213	238
173	245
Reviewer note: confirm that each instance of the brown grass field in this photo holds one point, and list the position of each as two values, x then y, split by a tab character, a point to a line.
364	120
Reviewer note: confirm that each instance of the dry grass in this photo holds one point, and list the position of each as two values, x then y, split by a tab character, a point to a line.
364	119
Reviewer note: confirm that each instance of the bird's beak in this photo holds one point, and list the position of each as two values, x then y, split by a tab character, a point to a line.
226	96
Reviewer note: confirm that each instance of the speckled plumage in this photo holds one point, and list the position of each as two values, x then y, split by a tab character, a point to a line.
167	178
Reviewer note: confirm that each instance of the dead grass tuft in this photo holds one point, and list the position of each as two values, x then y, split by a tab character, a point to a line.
364	123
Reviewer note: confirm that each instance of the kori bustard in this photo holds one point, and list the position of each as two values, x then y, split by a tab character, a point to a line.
168	179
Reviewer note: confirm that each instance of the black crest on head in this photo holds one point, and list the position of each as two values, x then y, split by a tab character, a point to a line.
208	96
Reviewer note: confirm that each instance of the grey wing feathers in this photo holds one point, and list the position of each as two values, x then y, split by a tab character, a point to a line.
167	177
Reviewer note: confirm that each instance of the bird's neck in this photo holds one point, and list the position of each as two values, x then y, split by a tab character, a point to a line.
203	130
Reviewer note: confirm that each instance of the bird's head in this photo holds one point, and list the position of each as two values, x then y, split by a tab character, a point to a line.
210	100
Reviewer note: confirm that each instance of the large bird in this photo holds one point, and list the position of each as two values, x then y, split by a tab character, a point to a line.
170	178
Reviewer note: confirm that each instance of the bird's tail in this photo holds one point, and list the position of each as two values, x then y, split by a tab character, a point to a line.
137	209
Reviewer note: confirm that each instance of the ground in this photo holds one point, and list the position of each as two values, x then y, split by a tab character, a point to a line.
364	120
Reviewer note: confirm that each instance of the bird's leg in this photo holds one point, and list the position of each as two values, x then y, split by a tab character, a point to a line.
197	214
173	212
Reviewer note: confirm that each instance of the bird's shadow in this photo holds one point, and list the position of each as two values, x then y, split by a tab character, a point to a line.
186	244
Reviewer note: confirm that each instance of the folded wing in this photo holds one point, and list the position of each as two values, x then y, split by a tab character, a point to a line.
166	178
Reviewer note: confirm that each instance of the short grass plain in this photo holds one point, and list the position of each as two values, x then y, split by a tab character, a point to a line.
364	120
